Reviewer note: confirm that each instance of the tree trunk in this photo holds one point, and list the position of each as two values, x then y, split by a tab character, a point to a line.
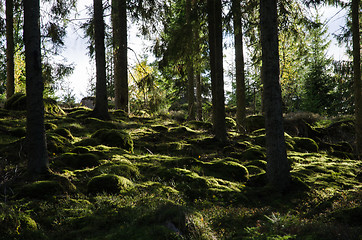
357	74
278	169
101	105
9	49
216	65
198	96
119	21
190	65
35	132
239	64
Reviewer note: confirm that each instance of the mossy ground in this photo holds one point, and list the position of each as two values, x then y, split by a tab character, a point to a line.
160	179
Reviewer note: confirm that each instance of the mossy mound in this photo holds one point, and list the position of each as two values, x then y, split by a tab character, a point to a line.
199	125
114	138
230	123
95	123
80	149
124	169
121	114
254	122
77	161
305	144
88	142
160	128
41	189
18	132
254	153
182	130
79	112
50	126
57	143
258	163
109	183
18	102
227	169
64	133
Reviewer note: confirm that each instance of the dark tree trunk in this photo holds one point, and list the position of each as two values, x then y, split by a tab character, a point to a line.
198	96
239	64
9	49
216	65
101	105
357	73
190	65
35	132
119	21
278	169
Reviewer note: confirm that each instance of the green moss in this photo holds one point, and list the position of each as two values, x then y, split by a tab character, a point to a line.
109	183
254	153
18	132
79	112
64	133
114	138
258	163
305	144
16	102
199	125
57	143
51	106
230	123
95	123
50	126
80	149
226	169
254	122
77	161
124	169
160	128
88	142
182	131
41	189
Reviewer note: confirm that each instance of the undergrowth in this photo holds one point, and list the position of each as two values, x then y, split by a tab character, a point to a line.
155	178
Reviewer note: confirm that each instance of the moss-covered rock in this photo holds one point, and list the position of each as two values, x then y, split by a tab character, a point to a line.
95	123
18	132
80	149
254	153
77	161
64	133
41	189
88	142
305	144
114	138
79	112
258	163
57	143
18	102
254	122
124	169
199	125
109	183
227	169
50	126
230	123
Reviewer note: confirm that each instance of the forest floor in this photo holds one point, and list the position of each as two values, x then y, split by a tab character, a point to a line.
157	178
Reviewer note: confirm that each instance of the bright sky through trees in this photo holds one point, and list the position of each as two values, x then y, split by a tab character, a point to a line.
76	47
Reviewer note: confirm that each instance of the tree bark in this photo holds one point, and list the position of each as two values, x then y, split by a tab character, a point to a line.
198	96
101	105
357	74
35	132
239	64
278	169
216	65
9	48
190	65
119	21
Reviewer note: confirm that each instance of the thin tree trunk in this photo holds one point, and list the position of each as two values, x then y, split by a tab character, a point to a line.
239	64
9	49
35	132
119	21
101	106
357	74
278	169
190	65
216	64
198	96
